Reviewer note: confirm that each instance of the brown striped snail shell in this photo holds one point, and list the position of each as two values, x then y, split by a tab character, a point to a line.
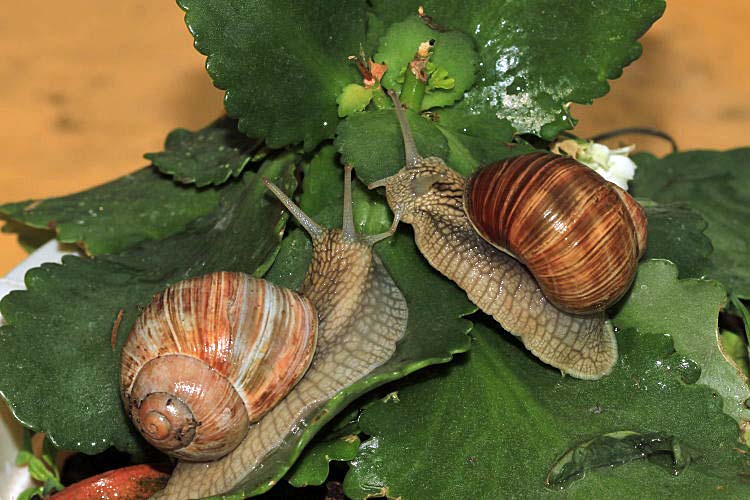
211	355
579	235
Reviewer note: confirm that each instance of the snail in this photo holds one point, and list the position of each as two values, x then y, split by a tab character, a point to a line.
211	355
477	231
265	359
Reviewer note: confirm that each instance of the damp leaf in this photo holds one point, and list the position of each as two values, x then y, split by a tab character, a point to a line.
677	233
716	185
208	156
138	207
497	419
281	62
695	333
537	56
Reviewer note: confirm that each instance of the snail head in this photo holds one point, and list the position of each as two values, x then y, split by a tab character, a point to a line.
423	185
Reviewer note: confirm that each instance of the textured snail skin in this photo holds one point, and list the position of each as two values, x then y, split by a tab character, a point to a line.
429	195
580	236
362	315
211	355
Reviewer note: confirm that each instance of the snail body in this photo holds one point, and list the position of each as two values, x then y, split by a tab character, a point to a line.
433	199
360	315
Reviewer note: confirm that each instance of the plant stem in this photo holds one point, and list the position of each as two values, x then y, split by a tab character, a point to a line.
412	92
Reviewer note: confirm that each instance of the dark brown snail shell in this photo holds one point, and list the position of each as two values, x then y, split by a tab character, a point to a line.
579	235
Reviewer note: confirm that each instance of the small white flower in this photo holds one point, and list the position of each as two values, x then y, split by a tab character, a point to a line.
612	164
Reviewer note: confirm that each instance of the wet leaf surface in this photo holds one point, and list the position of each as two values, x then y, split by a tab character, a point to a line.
208	156
650	306
282	62
716	185
497	420
138	207
676	233
537	56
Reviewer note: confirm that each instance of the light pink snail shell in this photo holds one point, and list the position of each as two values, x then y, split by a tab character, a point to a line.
211	355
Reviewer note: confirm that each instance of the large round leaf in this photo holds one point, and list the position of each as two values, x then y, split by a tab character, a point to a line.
496	422
282	62
536	56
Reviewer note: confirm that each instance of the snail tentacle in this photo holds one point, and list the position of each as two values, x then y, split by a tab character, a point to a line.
410	146
312	227
347	226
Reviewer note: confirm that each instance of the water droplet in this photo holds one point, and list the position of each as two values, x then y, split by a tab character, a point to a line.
689	370
613	449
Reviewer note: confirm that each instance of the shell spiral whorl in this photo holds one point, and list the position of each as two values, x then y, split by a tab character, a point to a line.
211	355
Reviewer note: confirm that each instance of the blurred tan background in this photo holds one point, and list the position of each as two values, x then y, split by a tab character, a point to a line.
87	87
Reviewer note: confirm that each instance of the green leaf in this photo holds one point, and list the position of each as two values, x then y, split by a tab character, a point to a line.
715	184
735	346
439	79
372	143
433	334
649	307
292	261
537	56
676	233
312	468
141	206
23	458
209	156
30	492
352	99
282	62
497	420
59	356
453	54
